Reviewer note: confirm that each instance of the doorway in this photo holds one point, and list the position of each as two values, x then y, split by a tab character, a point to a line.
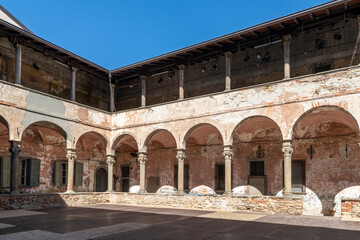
101	180
125	178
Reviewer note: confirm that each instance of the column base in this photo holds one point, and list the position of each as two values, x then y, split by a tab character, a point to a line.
142	192
70	192
288	194
227	193
180	193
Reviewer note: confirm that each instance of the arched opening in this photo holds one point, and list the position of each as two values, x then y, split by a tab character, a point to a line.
4	156
204	147
101	180
43	156
126	169
161	164
325	140
90	155
257	155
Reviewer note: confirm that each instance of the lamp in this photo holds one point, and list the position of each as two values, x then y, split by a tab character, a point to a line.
213	67
203	69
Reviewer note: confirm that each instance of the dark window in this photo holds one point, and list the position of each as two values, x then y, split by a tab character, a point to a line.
125	178
257	168
186	176
24	172
298	176
63	174
322	68
220	177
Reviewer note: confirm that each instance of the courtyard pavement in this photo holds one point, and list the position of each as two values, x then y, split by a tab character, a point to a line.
107	221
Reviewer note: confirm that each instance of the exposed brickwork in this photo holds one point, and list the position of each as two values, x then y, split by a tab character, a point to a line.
350	208
270	205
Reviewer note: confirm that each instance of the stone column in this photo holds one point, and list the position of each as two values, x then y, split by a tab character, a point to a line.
286	47
18	56
143	91
181	158
15	149
110	163
73	83
228	71
228	153
112	94
71	156
181	81
142	158
288	150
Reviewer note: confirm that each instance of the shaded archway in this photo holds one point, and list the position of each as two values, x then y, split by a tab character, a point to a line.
43	143
4	155
126	168
257	158
326	140
90	155
204	148
4	137
160	167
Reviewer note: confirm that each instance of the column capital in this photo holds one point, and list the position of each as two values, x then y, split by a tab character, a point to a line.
110	159
287	148
228	152
181	67
15	147
142	157
286	38
71	154
73	69
228	54
180	155
143	77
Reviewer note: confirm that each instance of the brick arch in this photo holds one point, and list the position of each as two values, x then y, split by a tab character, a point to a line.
119	136
191	129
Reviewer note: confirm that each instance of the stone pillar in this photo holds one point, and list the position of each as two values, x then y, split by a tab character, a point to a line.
110	163
15	149
142	158
228	153
18	56
112	94
143	91
286	47
181	158
288	150
181	81
71	156
73	83
228	71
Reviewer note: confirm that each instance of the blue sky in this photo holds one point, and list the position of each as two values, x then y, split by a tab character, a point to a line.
115	33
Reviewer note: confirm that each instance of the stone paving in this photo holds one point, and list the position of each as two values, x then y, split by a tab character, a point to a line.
107	221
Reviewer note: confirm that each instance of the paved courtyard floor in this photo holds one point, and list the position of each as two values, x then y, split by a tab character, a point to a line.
130	222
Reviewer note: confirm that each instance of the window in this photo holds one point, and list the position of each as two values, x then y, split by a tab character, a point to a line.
125	178
29	172
220	177
257	168
186	176
61	173
298	176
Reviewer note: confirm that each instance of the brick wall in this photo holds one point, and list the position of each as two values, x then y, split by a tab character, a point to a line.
271	205
350	208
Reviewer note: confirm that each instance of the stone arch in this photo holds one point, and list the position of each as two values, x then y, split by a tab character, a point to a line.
101	136
118	138
324	113
191	129
6	124
157	132
266	122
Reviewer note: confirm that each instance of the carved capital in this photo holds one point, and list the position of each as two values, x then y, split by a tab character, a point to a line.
228	152
142	157
110	160
181	67
15	147
287	149
228	54
71	155
287	38
180	155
